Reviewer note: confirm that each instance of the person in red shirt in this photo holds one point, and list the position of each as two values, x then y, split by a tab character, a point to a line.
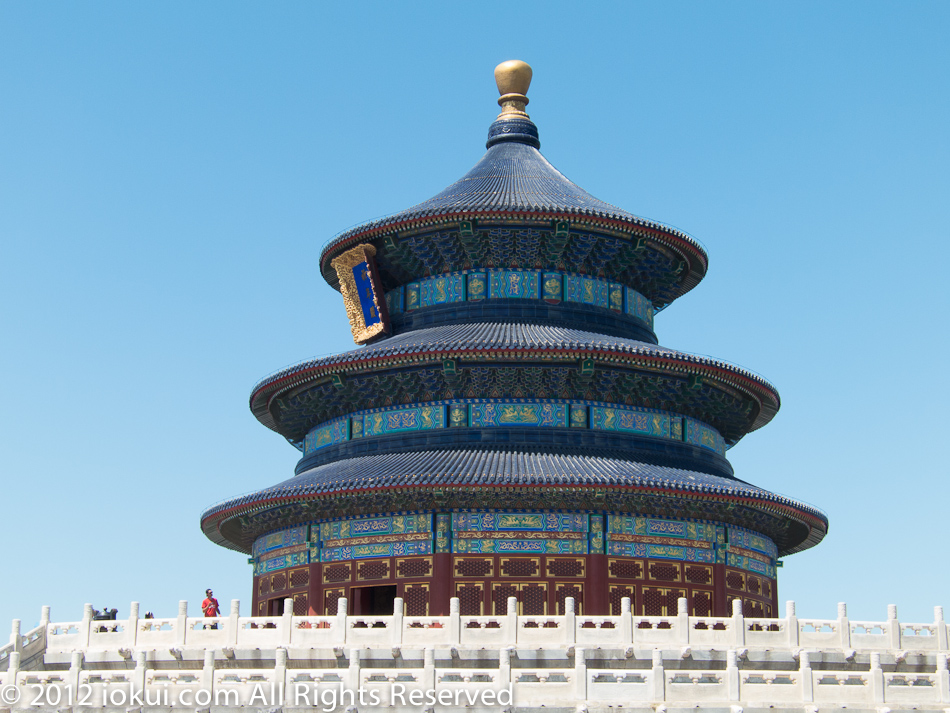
209	606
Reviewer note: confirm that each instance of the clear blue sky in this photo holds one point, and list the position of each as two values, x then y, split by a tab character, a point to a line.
170	170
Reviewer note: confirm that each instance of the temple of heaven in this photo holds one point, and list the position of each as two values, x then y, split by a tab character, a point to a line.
510	426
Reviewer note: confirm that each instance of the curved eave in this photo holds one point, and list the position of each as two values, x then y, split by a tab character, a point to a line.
681	243
814	520
378	357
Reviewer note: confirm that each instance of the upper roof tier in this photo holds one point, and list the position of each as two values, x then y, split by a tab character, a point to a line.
467	225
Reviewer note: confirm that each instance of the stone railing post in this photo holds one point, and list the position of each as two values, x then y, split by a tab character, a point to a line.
15	637
511	621
791	623
75	666
504	667
943	677
287	622
738	623
138	674
941	626
626	621
207	668
133	625
341	626
844	626
13	667
181	628
399	613
85	628
732	675
44	616
658	674
808	682
570	621
455	621
353	672
234	623
682	620
877	678
428	668
580	675
893	628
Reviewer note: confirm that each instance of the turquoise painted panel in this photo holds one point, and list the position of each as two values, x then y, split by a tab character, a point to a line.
412	296
654	527
552	286
586	290
327	435
752	541
628	421
639	306
442	290
513	283
528	547
378	549
477	286
667	552
487	415
699	434
387	525
518	521
395	301
282	562
615	296
420	418
278	540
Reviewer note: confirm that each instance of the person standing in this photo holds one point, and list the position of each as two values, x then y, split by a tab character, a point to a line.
209	607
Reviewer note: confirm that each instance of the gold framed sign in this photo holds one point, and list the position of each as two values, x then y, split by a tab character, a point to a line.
362	293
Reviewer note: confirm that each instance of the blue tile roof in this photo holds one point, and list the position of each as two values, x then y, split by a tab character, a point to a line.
513	177
504	468
453	339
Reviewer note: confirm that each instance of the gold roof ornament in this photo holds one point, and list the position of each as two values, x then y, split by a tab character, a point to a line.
513	79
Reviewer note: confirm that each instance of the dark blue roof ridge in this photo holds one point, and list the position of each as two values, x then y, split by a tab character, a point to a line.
513	177
492	335
504	468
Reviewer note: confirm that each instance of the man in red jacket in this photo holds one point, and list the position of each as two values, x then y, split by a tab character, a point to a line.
209	606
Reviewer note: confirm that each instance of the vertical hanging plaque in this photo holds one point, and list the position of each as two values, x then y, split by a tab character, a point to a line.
362	293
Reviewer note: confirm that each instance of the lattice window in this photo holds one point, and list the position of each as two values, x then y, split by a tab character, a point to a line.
766	589
413	568
534	599
698	575
566	567
372	570
563	591
625	569
753	609
752	584
500	595
471	567
336	572
417	600
664	572
279	582
654	602
330	598
519	567
470	597
615	596
735	580
701	604
263	586
301	605
300	577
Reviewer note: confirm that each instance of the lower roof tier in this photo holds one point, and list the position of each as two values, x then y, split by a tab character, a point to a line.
504	479
499	360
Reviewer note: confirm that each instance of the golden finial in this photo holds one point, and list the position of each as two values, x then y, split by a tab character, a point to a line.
513	79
